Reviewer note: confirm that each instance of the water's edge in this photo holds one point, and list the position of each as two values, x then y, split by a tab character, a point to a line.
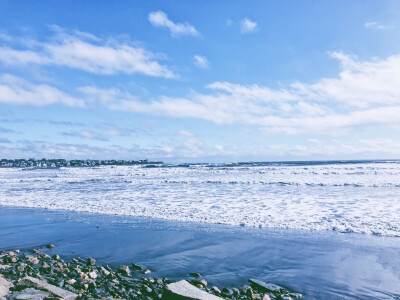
320	265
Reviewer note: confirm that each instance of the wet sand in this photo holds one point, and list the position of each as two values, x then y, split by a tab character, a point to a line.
321	265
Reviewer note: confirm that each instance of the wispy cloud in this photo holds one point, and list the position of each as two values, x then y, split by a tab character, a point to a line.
86	52
4	141
6	130
86	134
363	94
201	61
160	19
247	26
17	91
104	134
376	25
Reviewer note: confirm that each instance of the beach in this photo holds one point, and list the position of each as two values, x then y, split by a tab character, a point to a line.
319	265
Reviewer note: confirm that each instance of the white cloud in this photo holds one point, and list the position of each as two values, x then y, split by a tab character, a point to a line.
160	19
104	134
86	52
364	94
86	134
201	61
247	26
17	91
376	25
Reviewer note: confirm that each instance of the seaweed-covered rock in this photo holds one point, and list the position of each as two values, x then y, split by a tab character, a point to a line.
38	276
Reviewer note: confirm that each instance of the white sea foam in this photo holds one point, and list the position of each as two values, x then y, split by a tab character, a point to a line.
363	198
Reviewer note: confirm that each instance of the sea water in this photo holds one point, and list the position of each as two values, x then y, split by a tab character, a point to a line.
359	197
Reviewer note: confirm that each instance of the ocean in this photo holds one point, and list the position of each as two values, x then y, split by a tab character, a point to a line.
329	230
360	197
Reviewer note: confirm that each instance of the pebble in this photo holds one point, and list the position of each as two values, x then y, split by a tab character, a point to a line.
124	270
34	260
80	277
21	268
91	261
71	281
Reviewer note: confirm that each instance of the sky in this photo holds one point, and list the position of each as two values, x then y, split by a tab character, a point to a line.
200	81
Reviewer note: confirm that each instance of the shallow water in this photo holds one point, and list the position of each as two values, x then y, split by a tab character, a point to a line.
322	265
360	197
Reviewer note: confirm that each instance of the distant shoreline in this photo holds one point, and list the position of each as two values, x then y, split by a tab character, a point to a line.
57	163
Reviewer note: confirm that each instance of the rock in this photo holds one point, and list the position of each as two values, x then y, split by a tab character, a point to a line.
269	287
195	275
201	282
93	275
38	252
266	297
5	286
256	297
71	281
136	267
285	297
57	257
184	290
21	267
295	295
247	290
31	294
104	271
34	260
56	291
10	259
50	246
147	271
216	290
45	265
227	292
124	270
91	261
4	267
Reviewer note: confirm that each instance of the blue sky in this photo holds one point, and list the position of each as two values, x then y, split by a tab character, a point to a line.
200	81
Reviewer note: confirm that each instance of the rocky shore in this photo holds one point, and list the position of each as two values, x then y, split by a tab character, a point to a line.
35	275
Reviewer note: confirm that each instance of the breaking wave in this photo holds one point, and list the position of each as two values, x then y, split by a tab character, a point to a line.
361	197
